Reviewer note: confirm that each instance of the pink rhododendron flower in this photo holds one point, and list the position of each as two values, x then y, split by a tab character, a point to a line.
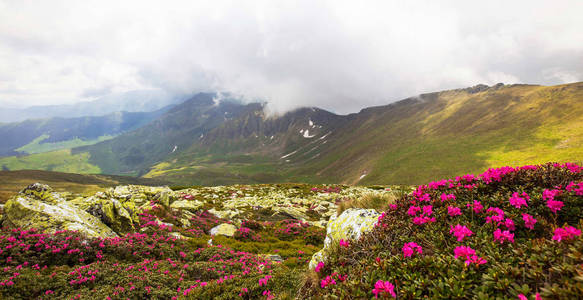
344	243
502	236
519	201
410	248
469	255
509	224
460	232
384	288
474	259
577	188
454	211
554	205
413	210
567	233
422	220
522	297
446	197
463	251
428	210
327	281
476	206
393	206
497	217
319	267
529	221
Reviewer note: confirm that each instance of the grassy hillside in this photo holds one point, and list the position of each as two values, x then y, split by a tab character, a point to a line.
441	134
60	161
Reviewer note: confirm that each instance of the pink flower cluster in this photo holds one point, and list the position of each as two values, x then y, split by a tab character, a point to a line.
503	236
425	216
460	232
344	243
327	281
263	281
476	206
319	267
384	288
567	233
453	211
496	217
552	204
447	197
469	254
529	221
576	188
410	248
519	201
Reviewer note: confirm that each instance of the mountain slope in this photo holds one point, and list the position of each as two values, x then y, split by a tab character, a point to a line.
412	141
441	134
172	133
43	135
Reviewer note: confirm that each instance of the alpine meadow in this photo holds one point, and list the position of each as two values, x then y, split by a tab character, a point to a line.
291	150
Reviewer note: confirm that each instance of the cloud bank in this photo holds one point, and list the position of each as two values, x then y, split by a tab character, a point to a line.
338	55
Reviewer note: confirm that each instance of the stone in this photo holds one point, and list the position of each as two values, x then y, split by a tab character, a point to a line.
224	229
37	206
274	257
190	205
349	226
290	213
225	214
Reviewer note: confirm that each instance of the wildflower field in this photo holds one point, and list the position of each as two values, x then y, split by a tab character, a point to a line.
508	233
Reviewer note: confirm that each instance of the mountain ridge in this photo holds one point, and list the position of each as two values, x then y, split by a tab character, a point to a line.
405	142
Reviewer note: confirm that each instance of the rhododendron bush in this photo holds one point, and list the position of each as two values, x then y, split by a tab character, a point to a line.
156	262
504	233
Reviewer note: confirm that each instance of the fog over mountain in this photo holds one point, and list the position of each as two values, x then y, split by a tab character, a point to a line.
338	55
131	101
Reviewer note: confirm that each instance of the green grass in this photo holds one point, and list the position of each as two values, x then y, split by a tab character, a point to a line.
36	146
60	161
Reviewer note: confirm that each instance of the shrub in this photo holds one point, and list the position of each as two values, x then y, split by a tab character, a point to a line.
506	254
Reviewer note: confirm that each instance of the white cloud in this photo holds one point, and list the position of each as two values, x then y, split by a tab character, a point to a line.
339	55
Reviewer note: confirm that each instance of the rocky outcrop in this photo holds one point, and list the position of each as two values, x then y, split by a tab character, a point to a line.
37	206
119	207
349	226
224	229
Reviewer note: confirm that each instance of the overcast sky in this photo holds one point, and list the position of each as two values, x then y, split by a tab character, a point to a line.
337	55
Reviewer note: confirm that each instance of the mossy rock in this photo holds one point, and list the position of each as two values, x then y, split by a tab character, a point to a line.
224	229
190	205
349	226
37	206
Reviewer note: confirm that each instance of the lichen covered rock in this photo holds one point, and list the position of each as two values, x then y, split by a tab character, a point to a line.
119	207
37	206
190	205
350	225
224	229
